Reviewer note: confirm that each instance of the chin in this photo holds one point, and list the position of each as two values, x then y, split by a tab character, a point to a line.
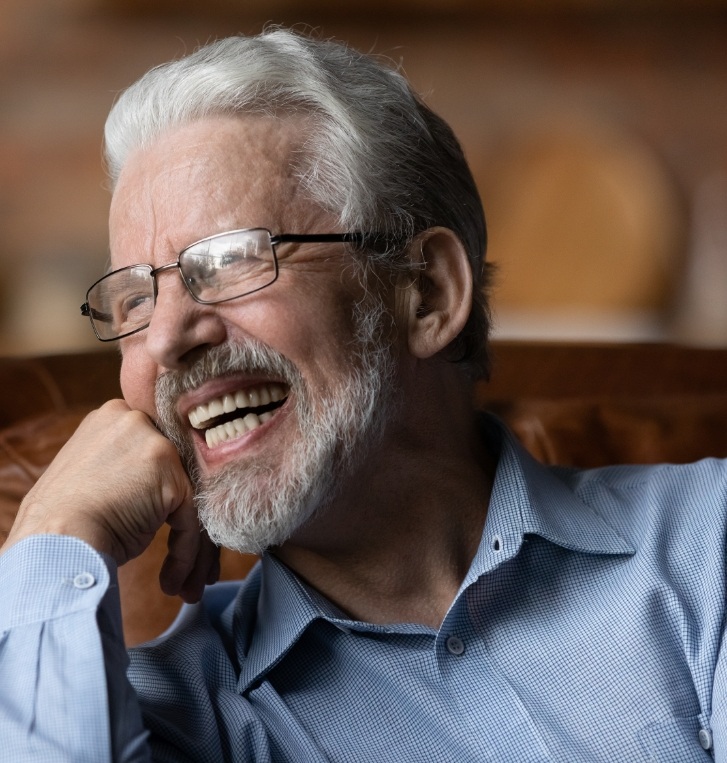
251	509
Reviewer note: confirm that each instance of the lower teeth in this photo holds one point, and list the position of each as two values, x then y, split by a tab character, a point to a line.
232	429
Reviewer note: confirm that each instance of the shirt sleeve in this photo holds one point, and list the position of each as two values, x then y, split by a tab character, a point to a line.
64	695
718	721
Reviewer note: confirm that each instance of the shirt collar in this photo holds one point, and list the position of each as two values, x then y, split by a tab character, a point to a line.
527	498
284	610
530	498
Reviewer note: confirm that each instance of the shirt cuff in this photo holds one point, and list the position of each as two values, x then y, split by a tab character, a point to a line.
44	577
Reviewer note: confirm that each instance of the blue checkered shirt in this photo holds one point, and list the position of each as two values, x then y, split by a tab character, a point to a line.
589	628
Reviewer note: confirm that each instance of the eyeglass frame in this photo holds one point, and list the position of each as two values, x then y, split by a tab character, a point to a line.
283	238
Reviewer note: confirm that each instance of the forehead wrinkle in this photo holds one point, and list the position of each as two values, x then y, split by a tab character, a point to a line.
188	186
228	178
153	203
138	214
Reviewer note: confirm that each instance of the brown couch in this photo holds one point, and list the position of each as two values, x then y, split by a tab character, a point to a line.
586	405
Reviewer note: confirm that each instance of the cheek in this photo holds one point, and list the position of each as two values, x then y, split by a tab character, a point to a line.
305	317
319	334
138	377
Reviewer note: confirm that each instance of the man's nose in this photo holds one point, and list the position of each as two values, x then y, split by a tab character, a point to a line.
180	328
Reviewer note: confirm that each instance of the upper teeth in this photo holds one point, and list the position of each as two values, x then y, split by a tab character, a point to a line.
252	397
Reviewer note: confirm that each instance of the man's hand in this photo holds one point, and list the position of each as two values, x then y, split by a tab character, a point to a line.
113	484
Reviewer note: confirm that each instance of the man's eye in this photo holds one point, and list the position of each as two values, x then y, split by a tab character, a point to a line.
134	303
201	273
242	258
230	259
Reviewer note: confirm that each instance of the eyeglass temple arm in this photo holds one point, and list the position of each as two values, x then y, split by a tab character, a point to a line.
322	238
373	240
89	312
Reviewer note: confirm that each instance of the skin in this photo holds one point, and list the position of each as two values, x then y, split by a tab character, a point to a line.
400	549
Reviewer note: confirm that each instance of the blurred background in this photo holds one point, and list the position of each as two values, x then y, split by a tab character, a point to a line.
596	130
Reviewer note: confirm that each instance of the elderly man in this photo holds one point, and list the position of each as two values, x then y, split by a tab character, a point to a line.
297	288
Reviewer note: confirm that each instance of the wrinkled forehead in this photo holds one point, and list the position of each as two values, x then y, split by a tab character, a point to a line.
205	177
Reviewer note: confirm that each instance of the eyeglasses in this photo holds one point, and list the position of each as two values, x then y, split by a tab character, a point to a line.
215	269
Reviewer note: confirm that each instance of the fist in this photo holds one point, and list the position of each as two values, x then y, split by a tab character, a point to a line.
113	485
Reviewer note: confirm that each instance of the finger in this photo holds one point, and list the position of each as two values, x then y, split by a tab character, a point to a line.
183	548
206	570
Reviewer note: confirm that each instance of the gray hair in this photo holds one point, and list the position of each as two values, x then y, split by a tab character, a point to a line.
374	154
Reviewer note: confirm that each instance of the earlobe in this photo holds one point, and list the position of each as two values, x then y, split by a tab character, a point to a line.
441	299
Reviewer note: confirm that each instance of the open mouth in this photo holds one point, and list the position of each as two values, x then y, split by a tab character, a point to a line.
234	414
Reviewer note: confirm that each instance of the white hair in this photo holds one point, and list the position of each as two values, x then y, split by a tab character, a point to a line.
373	153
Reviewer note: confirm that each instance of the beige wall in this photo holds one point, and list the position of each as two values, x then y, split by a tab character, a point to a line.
599	141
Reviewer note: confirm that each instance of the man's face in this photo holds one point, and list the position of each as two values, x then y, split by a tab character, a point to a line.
300	360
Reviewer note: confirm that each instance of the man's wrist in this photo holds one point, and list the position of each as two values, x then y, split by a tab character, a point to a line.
49	576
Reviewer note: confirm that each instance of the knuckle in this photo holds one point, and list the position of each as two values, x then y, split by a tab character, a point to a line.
109	410
115	406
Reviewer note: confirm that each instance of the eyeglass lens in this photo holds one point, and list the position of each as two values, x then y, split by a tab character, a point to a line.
215	269
229	265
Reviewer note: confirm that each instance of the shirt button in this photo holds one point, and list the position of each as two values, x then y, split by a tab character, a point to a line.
455	645
705	739
84	580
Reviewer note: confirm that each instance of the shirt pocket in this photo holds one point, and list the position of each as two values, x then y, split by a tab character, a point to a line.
675	740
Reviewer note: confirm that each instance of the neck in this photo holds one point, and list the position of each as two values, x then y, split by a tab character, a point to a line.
401	534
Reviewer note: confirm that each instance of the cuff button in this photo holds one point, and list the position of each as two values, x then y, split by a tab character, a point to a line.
84	580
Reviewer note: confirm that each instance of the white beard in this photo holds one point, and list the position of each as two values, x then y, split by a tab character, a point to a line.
250	507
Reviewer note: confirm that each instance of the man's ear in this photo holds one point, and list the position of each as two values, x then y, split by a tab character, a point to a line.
439	302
